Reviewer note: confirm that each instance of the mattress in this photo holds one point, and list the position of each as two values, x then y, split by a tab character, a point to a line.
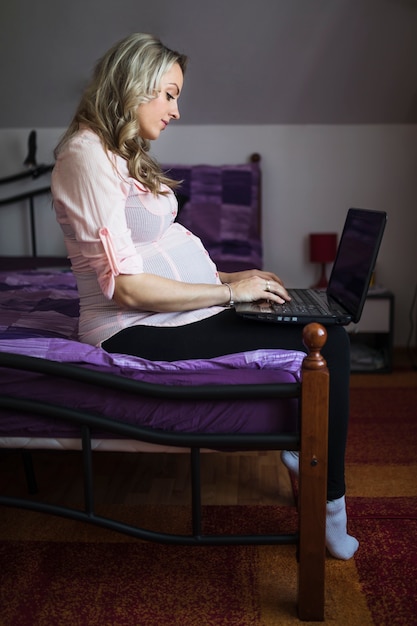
39	318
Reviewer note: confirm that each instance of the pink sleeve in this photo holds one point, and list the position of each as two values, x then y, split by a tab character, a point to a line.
90	197
118	259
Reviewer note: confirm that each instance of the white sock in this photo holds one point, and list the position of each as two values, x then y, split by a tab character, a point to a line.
291	460
338	542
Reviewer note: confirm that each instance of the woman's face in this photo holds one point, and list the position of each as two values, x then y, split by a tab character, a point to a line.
155	115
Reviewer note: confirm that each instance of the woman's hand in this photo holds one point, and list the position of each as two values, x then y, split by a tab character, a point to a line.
252	285
233	277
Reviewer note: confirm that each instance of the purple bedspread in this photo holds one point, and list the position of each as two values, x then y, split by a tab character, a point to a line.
39	317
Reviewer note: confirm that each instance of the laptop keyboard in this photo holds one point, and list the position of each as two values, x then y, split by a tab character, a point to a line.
302	302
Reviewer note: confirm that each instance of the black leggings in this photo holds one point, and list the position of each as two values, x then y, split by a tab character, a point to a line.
226	333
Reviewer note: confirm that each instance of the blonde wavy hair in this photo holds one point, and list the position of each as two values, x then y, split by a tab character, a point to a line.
128	75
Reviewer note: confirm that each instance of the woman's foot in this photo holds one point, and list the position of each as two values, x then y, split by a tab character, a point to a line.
338	542
291	460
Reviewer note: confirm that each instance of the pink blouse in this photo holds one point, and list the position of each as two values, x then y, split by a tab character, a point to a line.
113	225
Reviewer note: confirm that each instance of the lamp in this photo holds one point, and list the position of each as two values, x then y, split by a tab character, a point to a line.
323	248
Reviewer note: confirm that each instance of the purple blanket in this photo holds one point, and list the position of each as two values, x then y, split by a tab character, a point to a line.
39	317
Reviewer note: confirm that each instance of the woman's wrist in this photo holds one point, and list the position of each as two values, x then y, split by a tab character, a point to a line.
231	301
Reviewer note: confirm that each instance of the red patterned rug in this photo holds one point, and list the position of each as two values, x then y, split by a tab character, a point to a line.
126	584
383	426
382	459
59	572
387	559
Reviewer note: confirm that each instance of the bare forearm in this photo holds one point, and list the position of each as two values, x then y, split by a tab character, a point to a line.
149	292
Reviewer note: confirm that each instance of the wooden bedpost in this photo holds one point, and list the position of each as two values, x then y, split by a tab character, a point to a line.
255	157
313	476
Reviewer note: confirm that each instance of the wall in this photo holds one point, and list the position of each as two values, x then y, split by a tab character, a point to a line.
250	62
311	176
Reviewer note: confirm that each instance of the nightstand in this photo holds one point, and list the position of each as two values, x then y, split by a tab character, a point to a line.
372	338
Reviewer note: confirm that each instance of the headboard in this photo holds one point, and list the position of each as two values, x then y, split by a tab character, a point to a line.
222	206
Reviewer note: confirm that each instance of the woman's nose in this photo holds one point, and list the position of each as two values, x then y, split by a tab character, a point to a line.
175	112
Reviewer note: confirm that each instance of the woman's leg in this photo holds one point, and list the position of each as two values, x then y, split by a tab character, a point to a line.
227	333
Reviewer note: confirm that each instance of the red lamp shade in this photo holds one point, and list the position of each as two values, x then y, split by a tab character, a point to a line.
323	247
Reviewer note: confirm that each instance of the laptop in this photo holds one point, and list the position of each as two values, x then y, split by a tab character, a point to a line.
343	300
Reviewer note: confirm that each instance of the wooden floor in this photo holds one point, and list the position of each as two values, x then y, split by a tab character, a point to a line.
152	478
131	478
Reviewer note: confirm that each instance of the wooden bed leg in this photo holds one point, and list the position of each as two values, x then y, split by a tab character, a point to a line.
313	476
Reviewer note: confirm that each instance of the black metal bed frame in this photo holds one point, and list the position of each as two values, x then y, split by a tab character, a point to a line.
195	441
33	171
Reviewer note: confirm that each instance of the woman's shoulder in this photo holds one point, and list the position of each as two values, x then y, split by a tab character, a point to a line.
85	150
84	144
84	139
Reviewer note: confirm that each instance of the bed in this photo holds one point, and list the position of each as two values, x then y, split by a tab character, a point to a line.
58	393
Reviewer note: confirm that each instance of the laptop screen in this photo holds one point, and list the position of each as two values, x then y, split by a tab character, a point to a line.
355	261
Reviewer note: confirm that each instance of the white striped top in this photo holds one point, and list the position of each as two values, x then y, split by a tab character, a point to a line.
113	225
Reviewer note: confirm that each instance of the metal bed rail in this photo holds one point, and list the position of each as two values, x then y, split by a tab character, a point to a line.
89	422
